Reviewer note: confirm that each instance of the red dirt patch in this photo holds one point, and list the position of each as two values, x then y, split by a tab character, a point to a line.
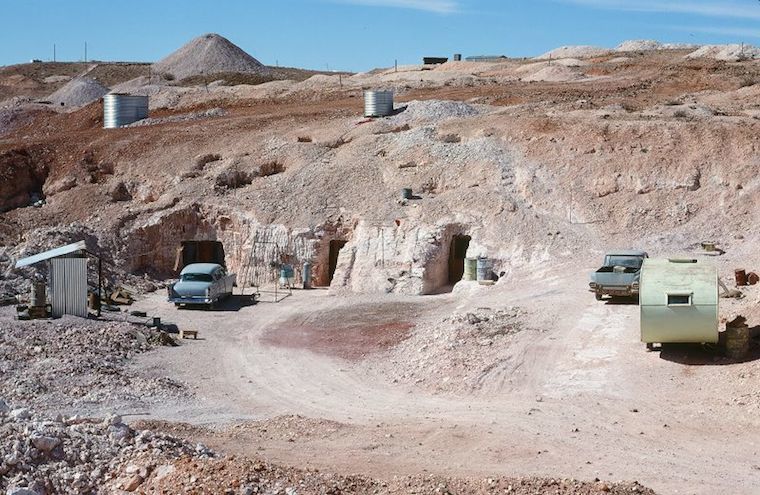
350	335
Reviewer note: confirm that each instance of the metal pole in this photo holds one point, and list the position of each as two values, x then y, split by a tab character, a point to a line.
53	52
395	65
100	284
85	51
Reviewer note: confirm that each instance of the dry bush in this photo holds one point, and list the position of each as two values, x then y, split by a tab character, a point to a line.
270	168
450	138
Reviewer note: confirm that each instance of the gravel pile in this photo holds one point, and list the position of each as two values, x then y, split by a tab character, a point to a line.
78	93
75	364
208	54
41	456
649	45
434	111
575	51
458	353
555	73
206	114
729	53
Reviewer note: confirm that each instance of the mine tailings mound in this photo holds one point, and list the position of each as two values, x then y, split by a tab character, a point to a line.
208	54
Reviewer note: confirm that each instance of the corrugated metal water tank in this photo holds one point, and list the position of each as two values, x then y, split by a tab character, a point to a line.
378	103
120	109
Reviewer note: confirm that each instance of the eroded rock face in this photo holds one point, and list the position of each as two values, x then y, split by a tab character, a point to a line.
21	179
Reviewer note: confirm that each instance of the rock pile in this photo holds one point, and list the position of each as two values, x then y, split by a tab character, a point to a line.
78	364
74	455
458	353
78	93
730	53
649	45
574	51
206	55
434	111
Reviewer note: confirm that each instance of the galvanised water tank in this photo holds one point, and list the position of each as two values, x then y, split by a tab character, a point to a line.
120	109
378	103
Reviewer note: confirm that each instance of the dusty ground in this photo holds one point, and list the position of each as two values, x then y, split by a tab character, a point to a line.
582	398
543	164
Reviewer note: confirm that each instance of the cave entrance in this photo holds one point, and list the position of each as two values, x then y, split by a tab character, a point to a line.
335	246
457	254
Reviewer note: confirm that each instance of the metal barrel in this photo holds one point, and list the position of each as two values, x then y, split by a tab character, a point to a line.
484	269
471	269
38	297
457	57
306	275
378	103
737	341
120	109
406	193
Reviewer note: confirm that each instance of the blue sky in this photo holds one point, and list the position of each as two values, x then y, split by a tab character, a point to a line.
360	34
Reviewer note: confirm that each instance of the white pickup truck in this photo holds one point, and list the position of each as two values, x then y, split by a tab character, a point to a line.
201	283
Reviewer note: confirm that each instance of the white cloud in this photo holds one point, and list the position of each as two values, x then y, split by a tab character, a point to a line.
437	6
709	8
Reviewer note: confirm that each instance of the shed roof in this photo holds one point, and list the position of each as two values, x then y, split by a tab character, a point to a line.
660	277
53	253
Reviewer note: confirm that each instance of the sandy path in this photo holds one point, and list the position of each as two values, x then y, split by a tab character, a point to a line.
585	400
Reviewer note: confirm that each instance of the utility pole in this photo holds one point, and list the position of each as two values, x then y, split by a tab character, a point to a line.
395	65
85	52
53	52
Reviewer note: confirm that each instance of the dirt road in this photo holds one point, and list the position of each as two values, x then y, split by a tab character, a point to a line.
581	399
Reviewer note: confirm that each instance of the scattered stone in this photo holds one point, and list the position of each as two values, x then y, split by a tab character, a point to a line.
20	413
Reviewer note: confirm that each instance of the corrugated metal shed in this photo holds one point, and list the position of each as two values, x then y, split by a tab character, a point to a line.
53	253
68	286
678	301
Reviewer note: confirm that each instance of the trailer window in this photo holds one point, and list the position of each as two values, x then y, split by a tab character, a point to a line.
679	299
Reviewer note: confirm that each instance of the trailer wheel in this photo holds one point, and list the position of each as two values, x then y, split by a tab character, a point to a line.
598	296
650	346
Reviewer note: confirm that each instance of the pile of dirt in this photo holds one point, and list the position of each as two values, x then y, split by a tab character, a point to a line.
730	53
78	93
574	51
248	476
555	73
460	353
650	45
206	114
43	455
435	111
206	55
77	364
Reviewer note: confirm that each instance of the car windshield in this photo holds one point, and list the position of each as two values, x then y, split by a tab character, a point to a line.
196	277
626	261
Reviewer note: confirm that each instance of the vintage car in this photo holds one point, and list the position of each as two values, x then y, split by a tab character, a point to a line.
201	283
619	276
